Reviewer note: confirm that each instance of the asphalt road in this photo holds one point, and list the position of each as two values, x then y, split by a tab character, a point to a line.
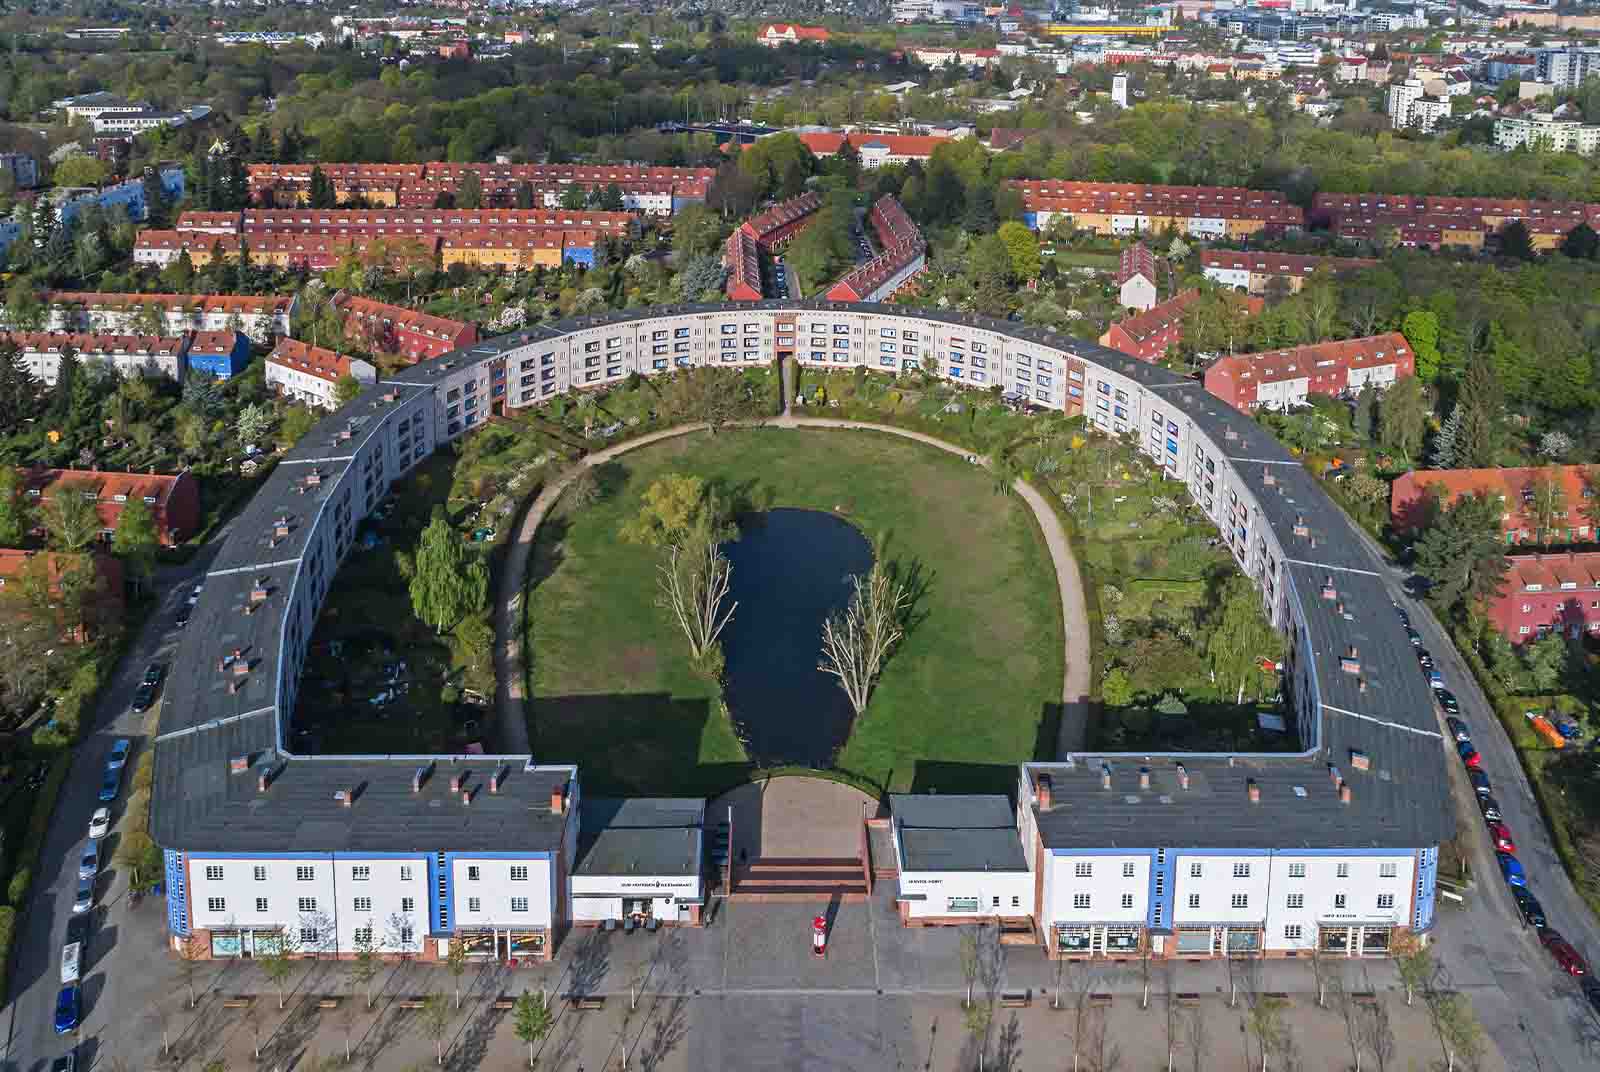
122	937
1537	1015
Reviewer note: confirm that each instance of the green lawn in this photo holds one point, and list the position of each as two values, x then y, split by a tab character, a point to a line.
972	690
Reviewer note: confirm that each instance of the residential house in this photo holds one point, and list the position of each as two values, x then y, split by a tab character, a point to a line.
130	355
1541	505
1282	379
394	329
219	353
105	600
1548	593
742	257
311	374
778	34
174	501
1255	272
1148	335
1137	278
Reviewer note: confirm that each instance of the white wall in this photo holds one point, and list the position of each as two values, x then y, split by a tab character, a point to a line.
1217	885
494	890
1002	893
1106	885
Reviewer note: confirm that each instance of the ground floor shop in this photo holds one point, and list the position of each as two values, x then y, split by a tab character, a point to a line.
1218	940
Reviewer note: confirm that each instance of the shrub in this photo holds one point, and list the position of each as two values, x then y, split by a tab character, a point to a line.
17	892
8	927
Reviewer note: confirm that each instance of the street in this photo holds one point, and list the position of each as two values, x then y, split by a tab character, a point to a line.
124	942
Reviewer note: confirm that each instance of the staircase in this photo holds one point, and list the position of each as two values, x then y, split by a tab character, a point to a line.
801	879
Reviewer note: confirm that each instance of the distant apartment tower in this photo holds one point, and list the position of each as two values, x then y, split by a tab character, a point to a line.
1119	90
1410	107
1567	68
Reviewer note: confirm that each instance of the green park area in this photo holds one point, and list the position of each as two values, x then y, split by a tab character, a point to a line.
970	691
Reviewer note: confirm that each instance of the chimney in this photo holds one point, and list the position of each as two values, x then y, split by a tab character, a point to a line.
466	797
1328	590
459	780
558	799
1254	789
346	797
1144	777
1183	776
1333	774
497	778
1361	684
420	776
1267	479
263	780
238	764
1359	760
1344	792
1105	776
1300	526
1350	661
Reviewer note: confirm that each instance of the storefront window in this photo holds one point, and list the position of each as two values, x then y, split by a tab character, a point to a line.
1122	939
1336	939
477	943
227	944
1244	941
266	943
1073	939
961	904
527	944
1375	940
1194	940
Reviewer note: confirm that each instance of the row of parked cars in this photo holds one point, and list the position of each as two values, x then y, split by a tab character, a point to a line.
1505	846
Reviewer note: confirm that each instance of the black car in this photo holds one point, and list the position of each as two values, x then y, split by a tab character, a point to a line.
1447	701
77	929
153	675
1489	806
1424	659
1405	619
1414	636
1458	728
1532	911
143	697
1591	990
1480	782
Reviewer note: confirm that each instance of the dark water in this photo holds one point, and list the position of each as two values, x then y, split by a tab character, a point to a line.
791	569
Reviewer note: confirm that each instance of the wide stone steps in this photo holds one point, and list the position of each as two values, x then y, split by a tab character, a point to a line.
817	878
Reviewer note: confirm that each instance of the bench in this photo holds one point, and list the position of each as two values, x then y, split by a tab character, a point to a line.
1100	1000
327	1003
238	1001
1188	999
1016	999
1364	997
412	1003
504	1004
586	1002
1277	995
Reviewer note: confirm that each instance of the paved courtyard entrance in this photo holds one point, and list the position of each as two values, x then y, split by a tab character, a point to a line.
795	838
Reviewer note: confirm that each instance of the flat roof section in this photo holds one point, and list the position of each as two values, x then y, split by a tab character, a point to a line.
956	833
640	836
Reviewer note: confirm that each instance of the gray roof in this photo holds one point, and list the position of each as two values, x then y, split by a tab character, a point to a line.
956	833
640	836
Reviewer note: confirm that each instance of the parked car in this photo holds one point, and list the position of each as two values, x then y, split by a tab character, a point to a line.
89	860
119	753
67	1006
84	900
1414	636
1500	834
99	823
111	783
1469	755
1435	680
67	1062
1424	659
1591	990
1566	957
1405	619
1489	806
1527	904
1458	729
144	697
1511	869
1480	782
78	930
1447	701
71	961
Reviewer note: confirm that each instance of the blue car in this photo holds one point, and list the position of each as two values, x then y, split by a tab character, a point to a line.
111	784
67	1009
1511	869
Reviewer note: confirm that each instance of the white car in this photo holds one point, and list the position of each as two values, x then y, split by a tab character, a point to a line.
99	823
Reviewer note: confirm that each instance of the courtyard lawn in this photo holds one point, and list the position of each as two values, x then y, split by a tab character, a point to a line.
973	689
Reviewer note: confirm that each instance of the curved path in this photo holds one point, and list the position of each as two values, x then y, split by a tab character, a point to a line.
510	673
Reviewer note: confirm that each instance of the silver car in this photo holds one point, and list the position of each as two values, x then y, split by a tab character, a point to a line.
85	898
89	860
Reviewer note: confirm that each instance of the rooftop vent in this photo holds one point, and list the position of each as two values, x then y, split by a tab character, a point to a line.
468	794
1300	527
1044	790
1300	791
1105	776
1344	792
1359	760
1350	661
1333	774
265	778
1328	590
1253	788
459	780
1144	777
558	799
1267	477
239	764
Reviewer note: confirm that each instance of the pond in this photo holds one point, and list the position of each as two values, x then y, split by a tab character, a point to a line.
791	569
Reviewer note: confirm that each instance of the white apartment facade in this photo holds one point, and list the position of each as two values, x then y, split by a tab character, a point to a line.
258	317
1544	131
129	355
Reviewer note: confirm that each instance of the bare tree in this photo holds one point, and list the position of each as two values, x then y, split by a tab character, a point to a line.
436	1013
192	949
1377	1034
968	952
1169	983
1105	1055
274	958
456	961
252	1023
364	966
856	643
346	1019
693	585
1194	1034
1081	977
1344	1003
1320	968
161	1020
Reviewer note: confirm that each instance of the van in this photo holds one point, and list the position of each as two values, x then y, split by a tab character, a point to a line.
71	953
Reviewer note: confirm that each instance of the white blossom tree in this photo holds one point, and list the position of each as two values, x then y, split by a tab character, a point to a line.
857	642
693	585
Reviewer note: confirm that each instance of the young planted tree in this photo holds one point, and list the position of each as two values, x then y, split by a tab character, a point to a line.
858	642
436	1015
456	961
1414	963
191	950
693	587
532	1020
968	952
364	965
976	1018
276	963
1459	1031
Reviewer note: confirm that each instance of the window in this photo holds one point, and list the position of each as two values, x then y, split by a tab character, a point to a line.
472	874
360	873
1338	900
1297	900
261	874
1127	900
519	873
363	937
1241	900
1297	870
406	935
1127	870
1083	870
1292	931
408	904
363	904
1388	870
1080	900
1241	870
1385	900
405	872
213	873
1195	870
261	904
519	904
308	904
474	904
1194	900
216	904
1342	871
308	937
961	904
305	874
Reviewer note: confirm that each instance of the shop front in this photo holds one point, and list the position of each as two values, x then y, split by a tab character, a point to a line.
1098	939
639	863
1365	939
500	944
1217	940
245	944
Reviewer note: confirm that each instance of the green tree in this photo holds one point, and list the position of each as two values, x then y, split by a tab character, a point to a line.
1116	688
1548	506
1463	552
1023	245
1239	637
532	1020
81	170
1363	418
70	517
1581	243
470	194
253	423
449	583
136	540
696	232
1516	242
573	196
1479	402
16	518
297	421
346	389
670	509
436	1015
1547	660
320	193
1403	417
1421	329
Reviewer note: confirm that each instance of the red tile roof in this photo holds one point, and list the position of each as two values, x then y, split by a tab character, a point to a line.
318	361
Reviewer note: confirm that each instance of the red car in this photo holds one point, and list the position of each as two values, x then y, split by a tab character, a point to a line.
1567	958
1502	837
1472	759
